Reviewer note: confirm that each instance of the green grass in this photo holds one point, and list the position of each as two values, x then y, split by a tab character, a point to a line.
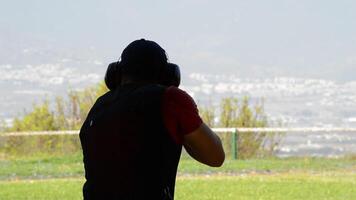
61	177
271	165
262	187
41	189
40	167
270	187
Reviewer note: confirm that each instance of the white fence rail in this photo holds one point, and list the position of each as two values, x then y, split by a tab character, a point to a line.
218	130
284	130
33	133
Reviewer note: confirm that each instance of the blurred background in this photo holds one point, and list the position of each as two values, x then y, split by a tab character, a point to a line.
266	64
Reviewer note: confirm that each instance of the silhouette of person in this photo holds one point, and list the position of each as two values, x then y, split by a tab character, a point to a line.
133	135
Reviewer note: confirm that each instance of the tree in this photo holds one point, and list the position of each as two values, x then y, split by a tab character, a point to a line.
67	115
40	118
208	115
60	116
3	126
80	102
235	113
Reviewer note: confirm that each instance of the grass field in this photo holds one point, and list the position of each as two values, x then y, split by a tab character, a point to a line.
61	177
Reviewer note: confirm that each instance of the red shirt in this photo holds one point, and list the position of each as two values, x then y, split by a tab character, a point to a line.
180	113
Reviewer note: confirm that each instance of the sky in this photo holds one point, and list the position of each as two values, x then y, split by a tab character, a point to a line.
298	38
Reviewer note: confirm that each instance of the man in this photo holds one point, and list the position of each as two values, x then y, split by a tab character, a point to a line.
133	135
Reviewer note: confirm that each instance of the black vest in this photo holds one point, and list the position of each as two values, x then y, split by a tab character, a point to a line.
128	152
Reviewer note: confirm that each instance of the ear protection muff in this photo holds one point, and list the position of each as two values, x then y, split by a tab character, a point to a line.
113	75
169	76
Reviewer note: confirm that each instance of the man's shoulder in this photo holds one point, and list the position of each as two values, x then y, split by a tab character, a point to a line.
178	95
106	96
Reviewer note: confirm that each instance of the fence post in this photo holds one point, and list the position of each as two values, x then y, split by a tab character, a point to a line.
234	146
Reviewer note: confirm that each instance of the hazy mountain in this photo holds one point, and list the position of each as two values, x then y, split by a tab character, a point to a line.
294	101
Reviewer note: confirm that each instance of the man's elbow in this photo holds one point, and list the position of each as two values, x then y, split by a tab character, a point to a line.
218	161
